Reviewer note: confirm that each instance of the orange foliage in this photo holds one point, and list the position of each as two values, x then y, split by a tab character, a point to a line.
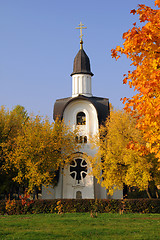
142	46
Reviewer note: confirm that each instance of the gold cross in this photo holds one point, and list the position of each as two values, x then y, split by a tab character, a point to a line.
81	27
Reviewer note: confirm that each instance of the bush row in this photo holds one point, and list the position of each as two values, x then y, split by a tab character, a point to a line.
81	205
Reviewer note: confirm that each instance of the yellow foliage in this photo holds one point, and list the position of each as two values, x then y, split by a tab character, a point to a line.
118	160
36	149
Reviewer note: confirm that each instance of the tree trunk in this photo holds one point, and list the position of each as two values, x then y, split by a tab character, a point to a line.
148	192
152	190
157	195
35	193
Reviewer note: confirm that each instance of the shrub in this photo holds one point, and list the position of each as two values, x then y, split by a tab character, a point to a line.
2	207
80	205
11	206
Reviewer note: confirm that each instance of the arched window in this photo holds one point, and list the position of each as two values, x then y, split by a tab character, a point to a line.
85	139
80	139
81	118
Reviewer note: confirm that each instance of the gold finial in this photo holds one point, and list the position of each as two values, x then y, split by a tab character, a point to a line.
81	35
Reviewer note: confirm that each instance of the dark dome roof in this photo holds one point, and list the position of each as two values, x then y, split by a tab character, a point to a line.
81	64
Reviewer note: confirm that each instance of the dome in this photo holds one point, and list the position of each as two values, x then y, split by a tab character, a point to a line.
81	64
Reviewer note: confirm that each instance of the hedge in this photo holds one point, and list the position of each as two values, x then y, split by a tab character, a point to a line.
80	205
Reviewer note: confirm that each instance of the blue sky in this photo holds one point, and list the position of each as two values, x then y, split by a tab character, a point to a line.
38	43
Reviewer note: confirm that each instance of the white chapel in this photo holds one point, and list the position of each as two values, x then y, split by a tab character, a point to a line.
86	112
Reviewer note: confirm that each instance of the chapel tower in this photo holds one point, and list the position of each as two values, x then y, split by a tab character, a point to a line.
81	75
86	112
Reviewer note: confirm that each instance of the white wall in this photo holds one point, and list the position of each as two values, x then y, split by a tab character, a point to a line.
70	186
81	84
67	186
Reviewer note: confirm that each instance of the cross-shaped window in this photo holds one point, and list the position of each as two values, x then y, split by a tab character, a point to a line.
78	169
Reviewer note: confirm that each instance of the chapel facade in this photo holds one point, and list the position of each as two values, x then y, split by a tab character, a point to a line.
86	112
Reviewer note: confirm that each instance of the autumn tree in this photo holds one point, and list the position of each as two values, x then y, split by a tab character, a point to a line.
10	124
40	149
119	163
142	46
32	150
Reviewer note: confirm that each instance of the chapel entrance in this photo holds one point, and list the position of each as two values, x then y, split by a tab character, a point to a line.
78	195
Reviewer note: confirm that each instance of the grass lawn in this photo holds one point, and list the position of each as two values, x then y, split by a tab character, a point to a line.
80	226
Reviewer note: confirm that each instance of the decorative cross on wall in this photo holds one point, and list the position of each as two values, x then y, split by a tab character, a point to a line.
78	169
